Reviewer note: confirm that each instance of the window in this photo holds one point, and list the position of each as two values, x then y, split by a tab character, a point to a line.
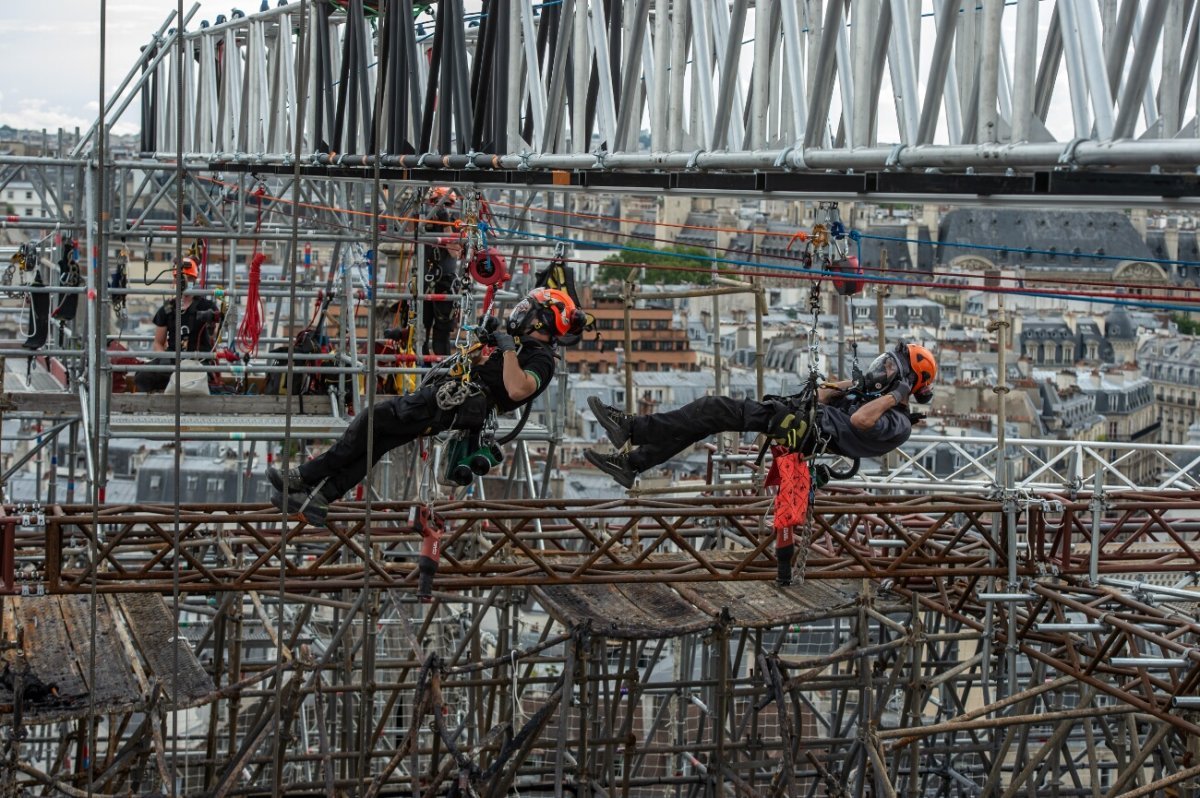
28	195
29	211
11	194
193	482
889	313
214	485
662	324
156	482
862	312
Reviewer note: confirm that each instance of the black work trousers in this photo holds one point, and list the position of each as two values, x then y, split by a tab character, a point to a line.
660	436
398	421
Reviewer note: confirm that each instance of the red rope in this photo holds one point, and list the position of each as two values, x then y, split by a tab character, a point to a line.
252	322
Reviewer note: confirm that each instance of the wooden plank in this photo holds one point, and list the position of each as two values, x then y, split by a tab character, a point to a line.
608	612
765	604
166	655
8	631
114	687
48	648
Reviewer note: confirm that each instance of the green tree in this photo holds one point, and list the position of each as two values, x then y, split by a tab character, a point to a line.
1187	325
673	264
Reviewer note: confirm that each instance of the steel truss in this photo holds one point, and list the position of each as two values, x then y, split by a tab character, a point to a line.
936	646
737	85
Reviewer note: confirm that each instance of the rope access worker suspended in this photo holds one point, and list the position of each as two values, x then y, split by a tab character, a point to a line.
197	318
441	273
864	418
534	327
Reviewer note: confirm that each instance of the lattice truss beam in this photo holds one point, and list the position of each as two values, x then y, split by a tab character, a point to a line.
820	85
940	675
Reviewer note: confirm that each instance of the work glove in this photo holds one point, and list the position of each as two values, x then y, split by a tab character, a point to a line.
901	391
486	330
788	429
503	341
205	316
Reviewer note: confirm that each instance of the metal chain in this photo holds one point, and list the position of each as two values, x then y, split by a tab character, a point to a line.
804	540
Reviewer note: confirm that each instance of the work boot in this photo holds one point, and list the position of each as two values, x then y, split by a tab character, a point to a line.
288	481
314	505
617	425
615	465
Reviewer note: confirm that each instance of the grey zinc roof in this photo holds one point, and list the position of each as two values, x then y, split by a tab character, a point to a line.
897	251
1118	325
1063	231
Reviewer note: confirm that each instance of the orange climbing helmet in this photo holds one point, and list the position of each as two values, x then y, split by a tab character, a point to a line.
442	195
923	365
188	268
910	362
547	310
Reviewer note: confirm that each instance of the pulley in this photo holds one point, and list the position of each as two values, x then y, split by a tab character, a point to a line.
852	282
488	267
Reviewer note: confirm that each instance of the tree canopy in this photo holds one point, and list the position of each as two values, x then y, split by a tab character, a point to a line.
670	265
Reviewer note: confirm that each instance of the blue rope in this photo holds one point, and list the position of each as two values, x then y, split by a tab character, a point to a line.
824	273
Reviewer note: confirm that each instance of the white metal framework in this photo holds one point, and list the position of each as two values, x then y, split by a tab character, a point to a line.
877	84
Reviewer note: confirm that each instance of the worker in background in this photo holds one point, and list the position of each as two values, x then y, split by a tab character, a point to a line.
198	317
867	418
441	273
514	375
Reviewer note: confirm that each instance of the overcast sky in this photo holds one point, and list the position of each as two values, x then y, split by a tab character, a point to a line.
52	50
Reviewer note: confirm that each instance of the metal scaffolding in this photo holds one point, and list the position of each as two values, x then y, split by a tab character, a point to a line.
1025	627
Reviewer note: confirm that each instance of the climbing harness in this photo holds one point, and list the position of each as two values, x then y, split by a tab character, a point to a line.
794	470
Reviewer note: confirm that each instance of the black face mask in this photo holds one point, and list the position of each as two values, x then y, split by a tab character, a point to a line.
883	374
522	318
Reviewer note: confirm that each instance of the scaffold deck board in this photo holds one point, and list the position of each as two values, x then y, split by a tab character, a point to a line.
763	604
47	646
167	654
114	685
646	611
56	633
641	611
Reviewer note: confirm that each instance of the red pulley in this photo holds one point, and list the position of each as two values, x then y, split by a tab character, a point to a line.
488	267
848	266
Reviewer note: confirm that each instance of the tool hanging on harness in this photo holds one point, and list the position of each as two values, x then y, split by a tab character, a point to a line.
430	526
791	476
470	455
